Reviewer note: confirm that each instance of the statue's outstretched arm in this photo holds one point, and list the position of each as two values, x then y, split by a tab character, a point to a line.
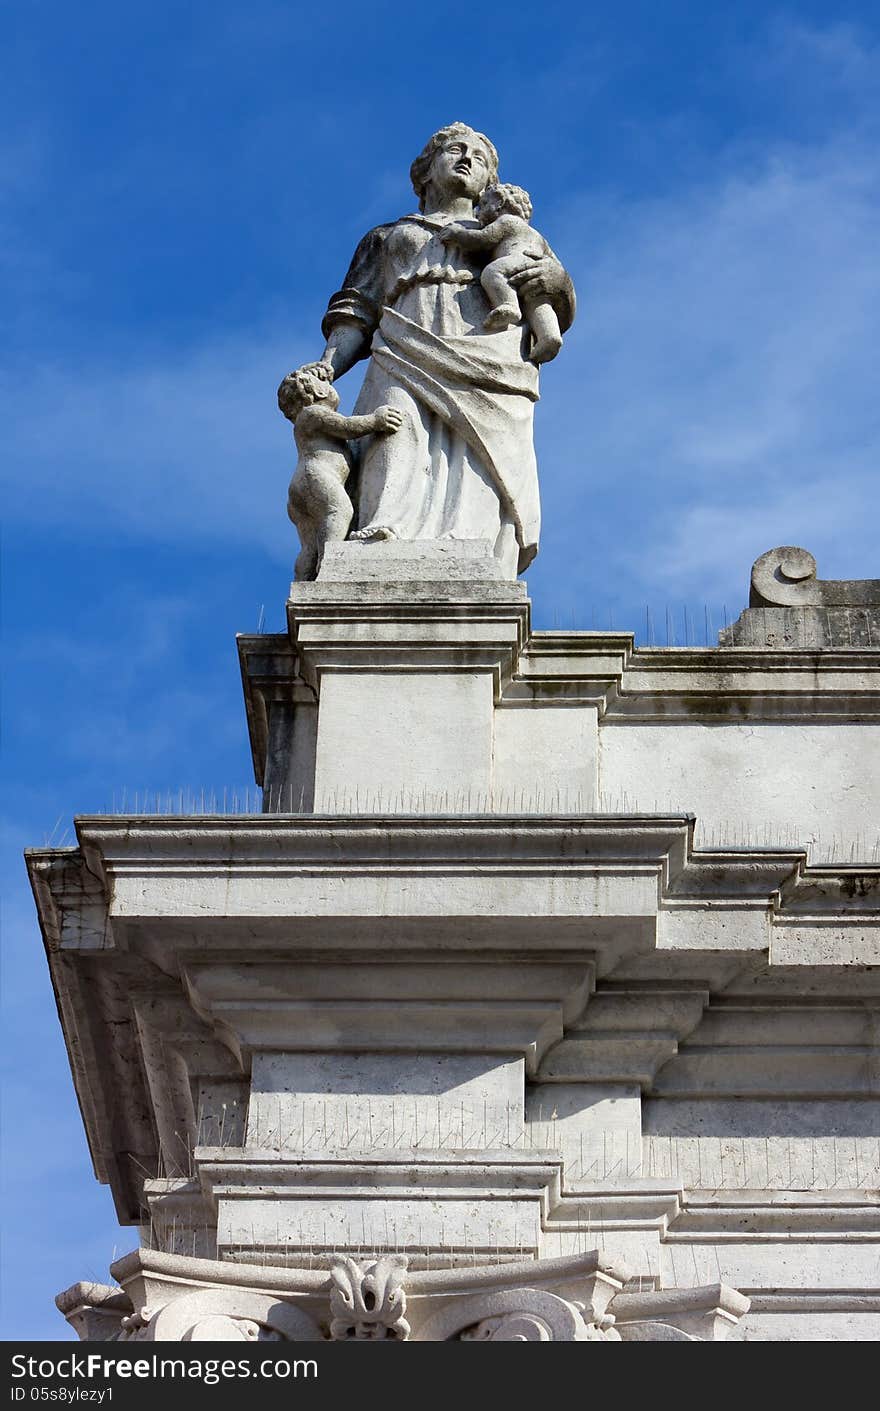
354	311
347	343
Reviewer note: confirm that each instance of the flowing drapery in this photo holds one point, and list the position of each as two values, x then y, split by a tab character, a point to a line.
463	464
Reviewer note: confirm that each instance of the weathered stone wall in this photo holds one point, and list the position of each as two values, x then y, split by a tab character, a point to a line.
477	987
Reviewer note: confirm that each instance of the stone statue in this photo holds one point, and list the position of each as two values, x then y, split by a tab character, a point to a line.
461	463
317	502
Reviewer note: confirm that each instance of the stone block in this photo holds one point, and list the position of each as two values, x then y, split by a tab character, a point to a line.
411	744
369	1102
418	560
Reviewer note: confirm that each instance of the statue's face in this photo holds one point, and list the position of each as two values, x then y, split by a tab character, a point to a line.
490	205
461	167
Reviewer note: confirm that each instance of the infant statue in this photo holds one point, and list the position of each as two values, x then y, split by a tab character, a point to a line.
317	501
503	212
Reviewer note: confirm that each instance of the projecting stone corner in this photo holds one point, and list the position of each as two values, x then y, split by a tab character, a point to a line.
96	1312
627	1034
585	950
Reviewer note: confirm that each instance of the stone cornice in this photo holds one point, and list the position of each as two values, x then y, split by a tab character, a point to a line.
652	854
166	936
156	1264
419	1173
458	635
696	684
268	674
626	684
752	1216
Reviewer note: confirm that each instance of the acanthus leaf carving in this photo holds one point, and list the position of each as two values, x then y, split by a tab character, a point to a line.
369	1302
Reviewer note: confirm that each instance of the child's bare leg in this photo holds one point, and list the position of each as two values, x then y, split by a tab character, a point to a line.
339	514
306	565
544	324
501	295
331	513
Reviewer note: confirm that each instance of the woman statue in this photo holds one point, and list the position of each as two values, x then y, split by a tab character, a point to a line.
459	461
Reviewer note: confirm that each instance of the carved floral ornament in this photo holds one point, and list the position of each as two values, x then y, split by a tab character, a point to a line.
368	1302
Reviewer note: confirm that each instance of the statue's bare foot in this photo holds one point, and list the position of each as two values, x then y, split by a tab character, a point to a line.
375	533
545	349
502	317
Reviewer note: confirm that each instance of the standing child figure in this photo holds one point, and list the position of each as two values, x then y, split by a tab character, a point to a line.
317	501
503	212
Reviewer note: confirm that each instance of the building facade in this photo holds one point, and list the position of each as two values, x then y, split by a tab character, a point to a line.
540	1002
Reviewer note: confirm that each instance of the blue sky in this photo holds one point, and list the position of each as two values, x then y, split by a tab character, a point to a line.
184	185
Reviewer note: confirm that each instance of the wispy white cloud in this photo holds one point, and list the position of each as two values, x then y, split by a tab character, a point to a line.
175	448
838	57
717	394
720	387
710	546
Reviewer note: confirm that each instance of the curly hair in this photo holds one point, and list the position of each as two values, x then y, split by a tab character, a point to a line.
301	389
514	200
418	172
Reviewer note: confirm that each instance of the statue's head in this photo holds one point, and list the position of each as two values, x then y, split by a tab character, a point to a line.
459	159
304	387
503	199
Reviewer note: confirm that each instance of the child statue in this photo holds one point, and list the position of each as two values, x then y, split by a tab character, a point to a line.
317	501
503	212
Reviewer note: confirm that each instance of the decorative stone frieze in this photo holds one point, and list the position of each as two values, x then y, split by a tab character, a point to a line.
577	1299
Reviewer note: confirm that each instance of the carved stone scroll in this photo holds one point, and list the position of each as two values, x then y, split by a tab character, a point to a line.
232	1315
573	1298
786	577
508	1315
654	1332
790	608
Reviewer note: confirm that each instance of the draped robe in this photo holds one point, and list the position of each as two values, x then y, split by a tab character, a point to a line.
462	466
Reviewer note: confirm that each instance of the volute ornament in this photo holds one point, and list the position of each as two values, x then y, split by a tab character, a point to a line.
510	1315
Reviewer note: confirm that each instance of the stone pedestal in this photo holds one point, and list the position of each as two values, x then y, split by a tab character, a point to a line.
407	648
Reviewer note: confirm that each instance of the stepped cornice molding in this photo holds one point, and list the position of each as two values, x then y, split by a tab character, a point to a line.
119	856
589	947
626	684
377	630
812	1216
